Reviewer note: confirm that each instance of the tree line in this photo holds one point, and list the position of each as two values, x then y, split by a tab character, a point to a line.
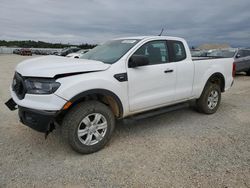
41	44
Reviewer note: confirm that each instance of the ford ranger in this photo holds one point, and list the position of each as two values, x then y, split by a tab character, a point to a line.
121	78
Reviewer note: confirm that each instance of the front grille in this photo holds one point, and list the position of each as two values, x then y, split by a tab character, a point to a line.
18	86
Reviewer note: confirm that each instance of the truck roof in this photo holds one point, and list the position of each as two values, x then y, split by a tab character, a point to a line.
150	37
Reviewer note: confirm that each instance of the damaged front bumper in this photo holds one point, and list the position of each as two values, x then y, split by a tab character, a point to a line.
39	120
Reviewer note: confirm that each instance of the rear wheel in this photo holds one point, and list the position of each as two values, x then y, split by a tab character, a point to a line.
88	126
210	98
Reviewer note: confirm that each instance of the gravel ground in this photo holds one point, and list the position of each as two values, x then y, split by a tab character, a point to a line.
178	149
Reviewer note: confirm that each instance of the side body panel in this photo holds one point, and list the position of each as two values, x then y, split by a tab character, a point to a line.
74	85
204	69
149	86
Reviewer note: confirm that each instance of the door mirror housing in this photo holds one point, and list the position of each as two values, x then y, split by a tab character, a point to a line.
238	56
137	61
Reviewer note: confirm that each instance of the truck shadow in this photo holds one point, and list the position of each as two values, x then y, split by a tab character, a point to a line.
150	125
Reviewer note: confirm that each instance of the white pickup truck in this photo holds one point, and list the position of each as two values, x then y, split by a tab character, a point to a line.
118	79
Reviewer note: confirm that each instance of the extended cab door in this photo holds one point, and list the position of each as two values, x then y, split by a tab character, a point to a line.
152	85
180	56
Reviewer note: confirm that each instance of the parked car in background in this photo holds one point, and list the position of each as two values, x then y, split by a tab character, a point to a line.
25	51
45	51
241	57
199	53
16	51
69	50
55	53
222	53
78	54
242	61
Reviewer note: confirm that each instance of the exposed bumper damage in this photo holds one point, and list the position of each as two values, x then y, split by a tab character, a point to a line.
39	120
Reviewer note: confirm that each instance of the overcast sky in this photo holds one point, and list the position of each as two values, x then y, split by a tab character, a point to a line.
94	21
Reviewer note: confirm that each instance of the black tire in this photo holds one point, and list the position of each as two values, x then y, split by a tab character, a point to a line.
202	103
73	118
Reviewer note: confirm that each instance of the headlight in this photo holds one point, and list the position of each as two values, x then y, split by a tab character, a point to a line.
41	86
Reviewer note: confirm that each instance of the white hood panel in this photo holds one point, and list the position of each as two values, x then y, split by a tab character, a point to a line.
49	66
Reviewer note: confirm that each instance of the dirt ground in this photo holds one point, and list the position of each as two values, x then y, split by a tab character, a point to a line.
178	149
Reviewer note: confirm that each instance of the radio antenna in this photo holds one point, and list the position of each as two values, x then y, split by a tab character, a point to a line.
161	32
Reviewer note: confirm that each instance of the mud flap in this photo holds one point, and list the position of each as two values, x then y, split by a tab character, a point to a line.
51	128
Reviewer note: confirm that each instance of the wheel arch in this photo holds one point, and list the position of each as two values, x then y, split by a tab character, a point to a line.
105	96
217	78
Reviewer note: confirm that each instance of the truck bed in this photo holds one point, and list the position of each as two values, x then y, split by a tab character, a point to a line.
207	66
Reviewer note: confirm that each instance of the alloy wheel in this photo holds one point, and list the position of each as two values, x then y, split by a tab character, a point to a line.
92	129
213	99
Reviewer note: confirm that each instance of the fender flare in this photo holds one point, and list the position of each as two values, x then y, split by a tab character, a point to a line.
217	74
102	92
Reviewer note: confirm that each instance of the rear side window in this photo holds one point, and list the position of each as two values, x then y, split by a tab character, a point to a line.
178	51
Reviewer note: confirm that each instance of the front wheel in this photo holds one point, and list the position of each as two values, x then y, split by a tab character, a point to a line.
210	98
88	126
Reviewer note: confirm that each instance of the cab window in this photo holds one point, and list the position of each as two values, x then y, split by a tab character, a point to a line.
155	51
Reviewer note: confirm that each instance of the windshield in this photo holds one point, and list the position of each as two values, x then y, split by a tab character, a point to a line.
226	53
110	51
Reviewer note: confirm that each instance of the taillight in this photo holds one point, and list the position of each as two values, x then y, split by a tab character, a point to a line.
234	70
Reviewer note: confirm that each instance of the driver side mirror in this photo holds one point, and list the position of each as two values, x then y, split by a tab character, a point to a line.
138	60
238	56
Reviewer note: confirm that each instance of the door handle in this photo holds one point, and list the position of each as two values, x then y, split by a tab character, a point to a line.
168	71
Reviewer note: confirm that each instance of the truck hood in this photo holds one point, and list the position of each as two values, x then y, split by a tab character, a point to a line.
50	66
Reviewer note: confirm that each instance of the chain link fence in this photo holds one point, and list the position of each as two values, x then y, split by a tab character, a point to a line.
9	50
